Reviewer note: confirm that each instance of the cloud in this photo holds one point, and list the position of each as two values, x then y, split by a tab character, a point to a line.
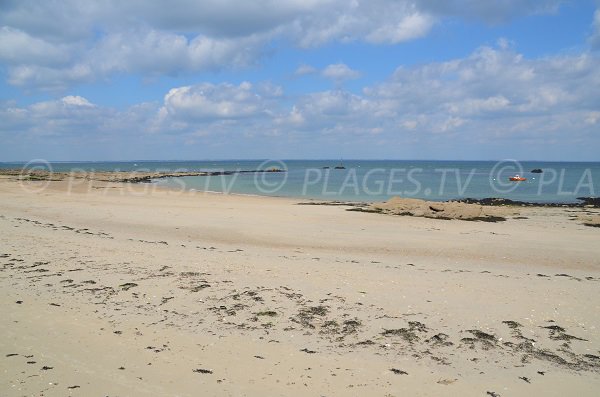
18	47
375	21
340	72
493	95
492	98
67	21
68	117
169	53
215	108
148	52
404	28
331	105
52	45
304	69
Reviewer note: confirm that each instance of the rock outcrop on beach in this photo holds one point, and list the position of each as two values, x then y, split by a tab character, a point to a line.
590	220
442	210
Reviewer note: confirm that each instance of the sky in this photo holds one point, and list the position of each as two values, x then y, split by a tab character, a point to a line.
299	79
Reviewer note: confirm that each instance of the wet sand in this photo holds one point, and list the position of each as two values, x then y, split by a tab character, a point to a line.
120	289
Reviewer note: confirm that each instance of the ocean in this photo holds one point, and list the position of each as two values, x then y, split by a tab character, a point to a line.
370	180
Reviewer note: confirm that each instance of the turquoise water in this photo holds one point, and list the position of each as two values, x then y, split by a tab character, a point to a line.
372	180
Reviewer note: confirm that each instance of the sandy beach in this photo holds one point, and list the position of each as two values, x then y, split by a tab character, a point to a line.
116	289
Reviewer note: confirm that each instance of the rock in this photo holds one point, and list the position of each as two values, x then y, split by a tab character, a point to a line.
593	201
590	220
466	211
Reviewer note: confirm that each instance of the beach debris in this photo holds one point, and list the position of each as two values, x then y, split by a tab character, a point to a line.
408	334
367	342
307	315
127	286
446	381
166	299
308	351
492	394
199	287
268	313
557	332
512	324
525	379
485	340
202	371
440	339
46	368
398	371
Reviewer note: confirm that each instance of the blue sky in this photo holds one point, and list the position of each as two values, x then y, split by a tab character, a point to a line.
223	79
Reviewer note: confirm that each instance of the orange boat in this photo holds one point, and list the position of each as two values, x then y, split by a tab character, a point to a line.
517	178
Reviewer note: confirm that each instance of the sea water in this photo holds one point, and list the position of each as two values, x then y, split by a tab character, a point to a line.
370	180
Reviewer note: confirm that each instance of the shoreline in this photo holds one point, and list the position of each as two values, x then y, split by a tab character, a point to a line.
150	177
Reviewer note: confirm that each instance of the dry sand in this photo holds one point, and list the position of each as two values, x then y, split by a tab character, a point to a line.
128	290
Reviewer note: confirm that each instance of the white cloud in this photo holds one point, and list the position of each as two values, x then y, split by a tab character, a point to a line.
339	72
592	117
65	21
214	107
332	103
150	52
304	69
492	97
407	27
475	106
71	116
54	45
494	93
49	78
376	21
18	47
72	100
